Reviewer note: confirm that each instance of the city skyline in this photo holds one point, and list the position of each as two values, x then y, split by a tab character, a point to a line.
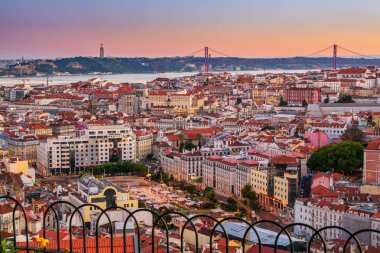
169	28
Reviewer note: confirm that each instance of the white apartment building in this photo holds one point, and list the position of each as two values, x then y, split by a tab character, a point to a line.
334	84
333	130
220	174
319	215
187	166
99	145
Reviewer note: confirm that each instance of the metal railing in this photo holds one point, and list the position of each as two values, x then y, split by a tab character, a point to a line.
126	245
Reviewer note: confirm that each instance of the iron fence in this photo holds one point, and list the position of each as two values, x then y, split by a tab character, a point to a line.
123	243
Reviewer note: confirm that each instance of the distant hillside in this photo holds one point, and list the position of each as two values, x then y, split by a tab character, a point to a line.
85	65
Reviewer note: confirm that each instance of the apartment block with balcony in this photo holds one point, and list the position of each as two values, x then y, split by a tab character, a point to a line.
99	145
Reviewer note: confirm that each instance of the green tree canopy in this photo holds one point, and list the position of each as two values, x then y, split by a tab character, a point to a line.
344	98
120	167
327	99
345	157
238	101
249	194
283	102
352	134
189	145
209	194
267	127
304	103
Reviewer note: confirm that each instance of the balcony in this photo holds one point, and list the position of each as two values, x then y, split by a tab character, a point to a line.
144	230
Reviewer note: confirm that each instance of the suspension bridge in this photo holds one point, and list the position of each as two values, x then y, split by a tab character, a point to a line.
335	53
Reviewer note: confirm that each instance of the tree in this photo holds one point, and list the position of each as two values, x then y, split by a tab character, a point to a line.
343	98
239	101
200	139
352	134
140	169
209	194
304	103
246	190
248	193
189	145
283	102
267	127
327	99
345	157
181	145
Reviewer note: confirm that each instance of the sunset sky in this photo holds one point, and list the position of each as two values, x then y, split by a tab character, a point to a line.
244	28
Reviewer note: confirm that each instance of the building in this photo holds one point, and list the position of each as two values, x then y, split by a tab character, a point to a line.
24	147
333	83
15	165
100	144
371	162
296	96
144	144
18	93
178	100
286	187
39	129
317	138
352	73
63	128
318	215
262	181
333	130
186	167
101	193
322	213
129	103
244	174
220	174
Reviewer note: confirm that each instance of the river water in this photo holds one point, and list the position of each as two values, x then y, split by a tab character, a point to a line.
120	78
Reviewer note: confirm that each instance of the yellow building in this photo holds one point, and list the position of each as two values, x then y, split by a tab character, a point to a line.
101	193
15	165
24	147
39	129
285	187
162	98
144	144
259	180
376	118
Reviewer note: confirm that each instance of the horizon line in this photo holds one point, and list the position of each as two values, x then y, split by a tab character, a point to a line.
371	57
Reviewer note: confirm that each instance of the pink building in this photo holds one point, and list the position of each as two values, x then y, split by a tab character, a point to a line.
326	180
317	138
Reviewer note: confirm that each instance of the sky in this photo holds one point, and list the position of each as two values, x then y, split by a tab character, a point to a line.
155	28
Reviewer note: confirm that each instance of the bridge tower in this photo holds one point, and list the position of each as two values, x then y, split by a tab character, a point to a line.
335	51
207	57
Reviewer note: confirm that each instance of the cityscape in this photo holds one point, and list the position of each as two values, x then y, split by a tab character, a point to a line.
157	150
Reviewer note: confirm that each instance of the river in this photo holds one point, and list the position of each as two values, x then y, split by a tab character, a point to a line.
120	78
